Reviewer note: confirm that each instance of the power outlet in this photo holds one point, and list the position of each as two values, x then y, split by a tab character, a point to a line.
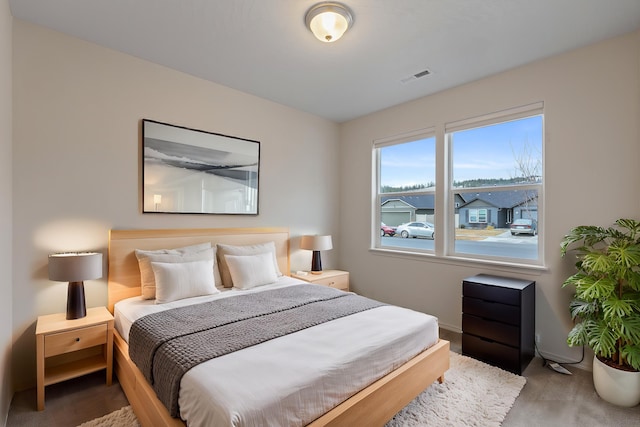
537	338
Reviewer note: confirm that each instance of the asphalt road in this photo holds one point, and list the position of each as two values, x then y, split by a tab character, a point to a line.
504	245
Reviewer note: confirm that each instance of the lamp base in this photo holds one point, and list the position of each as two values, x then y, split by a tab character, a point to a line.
76	307
316	263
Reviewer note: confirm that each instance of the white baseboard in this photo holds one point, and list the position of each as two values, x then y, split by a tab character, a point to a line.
450	328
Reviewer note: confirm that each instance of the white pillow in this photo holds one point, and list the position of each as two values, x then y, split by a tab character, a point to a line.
222	250
176	281
189	253
249	271
183	250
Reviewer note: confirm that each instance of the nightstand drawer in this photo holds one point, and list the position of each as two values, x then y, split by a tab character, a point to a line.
77	339
338	282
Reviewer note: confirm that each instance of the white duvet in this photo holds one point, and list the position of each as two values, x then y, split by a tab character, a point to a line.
292	380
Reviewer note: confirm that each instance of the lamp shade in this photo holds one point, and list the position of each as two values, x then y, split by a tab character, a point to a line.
316	243
75	267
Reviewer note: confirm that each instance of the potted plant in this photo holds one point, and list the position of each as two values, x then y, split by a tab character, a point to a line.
606	305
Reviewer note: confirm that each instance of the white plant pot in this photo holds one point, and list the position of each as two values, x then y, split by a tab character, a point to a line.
621	388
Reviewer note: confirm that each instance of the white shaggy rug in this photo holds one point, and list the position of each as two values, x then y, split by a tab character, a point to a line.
123	417
473	394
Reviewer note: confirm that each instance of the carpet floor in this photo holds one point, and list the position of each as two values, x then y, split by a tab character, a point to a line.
473	394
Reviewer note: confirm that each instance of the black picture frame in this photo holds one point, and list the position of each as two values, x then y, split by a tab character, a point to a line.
191	171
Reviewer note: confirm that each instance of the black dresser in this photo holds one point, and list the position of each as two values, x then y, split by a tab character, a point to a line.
498	321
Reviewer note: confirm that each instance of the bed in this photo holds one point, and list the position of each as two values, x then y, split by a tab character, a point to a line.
373	403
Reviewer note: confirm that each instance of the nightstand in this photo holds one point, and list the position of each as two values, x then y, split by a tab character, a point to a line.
498	321
71	348
333	278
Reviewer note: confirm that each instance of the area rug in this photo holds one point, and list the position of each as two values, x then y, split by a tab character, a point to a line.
123	417
473	394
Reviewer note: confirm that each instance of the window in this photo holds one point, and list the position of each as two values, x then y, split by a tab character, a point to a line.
405	190
478	215
497	172
494	176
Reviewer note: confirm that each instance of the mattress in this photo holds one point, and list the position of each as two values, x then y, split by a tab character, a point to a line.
292	380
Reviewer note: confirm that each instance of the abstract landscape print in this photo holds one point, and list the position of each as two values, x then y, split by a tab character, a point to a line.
196	172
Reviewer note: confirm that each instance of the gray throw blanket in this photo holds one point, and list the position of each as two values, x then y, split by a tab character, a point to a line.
166	345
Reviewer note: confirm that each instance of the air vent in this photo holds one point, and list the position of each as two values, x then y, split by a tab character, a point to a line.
416	76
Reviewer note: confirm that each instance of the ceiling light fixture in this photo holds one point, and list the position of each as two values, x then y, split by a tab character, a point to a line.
328	21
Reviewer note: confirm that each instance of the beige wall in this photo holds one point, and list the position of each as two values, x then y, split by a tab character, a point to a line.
6	391
592	149
77	109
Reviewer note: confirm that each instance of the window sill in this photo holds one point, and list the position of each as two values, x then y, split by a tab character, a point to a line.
508	266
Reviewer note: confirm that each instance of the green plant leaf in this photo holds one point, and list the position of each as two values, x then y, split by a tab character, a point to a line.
573	280
583	309
630	329
633	280
591	288
625	253
631	354
601	338
614	307
589	234
578	335
631	225
597	262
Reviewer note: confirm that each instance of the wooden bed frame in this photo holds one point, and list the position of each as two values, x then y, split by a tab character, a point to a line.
372	406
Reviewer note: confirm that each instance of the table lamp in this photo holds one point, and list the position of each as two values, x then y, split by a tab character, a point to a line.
75	267
316	244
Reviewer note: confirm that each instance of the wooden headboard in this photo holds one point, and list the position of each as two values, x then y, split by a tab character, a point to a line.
124	274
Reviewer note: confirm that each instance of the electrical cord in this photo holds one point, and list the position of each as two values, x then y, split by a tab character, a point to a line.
546	361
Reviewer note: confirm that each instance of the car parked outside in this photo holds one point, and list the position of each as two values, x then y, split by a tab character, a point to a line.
524	226
387	230
416	229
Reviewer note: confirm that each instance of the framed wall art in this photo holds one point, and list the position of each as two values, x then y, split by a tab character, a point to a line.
191	171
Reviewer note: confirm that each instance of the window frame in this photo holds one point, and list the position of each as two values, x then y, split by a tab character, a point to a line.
377	195
445	194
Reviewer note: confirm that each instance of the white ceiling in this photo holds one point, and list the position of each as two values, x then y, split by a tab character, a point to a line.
262	47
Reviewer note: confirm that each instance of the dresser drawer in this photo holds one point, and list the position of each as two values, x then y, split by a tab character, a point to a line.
491	310
492	352
491	293
77	339
495	331
338	282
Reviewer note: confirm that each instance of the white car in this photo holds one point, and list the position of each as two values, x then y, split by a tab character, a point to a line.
524	226
416	229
